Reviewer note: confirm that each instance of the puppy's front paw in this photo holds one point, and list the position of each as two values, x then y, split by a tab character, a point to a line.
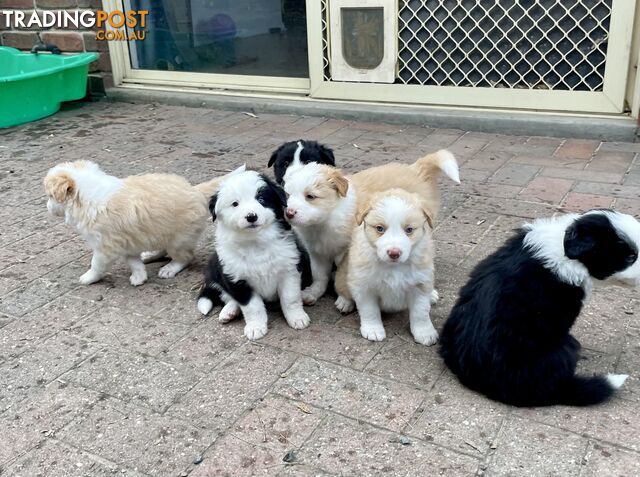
137	279
344	305
229	312
298	321
90	277
254	331
373	332
169	270
426	335
309	297
435	296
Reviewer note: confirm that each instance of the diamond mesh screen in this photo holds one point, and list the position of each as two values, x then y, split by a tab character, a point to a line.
539	44
543	44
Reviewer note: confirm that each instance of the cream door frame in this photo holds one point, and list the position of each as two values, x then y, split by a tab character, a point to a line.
635	98
610	100
124	74
633	82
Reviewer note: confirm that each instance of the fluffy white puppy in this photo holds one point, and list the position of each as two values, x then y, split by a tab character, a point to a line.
122	218
257	256
321	206
389	265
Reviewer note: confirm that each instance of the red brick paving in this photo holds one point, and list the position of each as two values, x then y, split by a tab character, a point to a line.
546	189
578	202
115	380
577	149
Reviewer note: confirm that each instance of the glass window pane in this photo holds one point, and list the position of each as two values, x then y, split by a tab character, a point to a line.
240	37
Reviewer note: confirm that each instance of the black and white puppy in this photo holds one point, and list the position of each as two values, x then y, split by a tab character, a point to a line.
508	334
298	153
257	256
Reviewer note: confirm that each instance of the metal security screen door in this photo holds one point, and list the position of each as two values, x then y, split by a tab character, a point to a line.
555	55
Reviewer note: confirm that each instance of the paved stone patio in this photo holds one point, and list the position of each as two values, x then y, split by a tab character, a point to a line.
109	379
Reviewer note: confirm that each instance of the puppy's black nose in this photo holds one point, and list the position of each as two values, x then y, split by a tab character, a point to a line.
251	218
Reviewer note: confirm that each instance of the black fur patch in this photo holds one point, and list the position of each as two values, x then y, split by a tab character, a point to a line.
273	197
593	240
508	334
312	152
304	265
240	291
212	206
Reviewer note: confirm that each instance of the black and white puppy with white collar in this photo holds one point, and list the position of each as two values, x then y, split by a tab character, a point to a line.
298	153
257	256
508	334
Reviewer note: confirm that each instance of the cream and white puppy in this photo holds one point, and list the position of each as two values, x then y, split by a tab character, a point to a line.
122	218
321	206
389	265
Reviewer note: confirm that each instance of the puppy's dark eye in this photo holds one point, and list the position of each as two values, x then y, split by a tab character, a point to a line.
408	230
380	229
310	196
235	203
631	258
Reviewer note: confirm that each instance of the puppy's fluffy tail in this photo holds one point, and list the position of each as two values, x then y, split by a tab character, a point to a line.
211	187
586	391
208	298
430	166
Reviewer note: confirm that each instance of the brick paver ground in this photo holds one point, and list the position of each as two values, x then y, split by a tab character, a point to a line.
110	379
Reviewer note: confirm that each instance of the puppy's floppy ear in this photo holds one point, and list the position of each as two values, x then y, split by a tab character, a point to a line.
61	186
274	156
339	182
578	241
237	170
212	206
326	153
428	214
280	192
87	164
428	217
277	190
362	212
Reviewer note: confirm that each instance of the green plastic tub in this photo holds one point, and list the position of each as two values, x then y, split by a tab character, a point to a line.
33	86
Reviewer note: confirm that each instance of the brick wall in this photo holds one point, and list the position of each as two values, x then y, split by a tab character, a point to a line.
69	41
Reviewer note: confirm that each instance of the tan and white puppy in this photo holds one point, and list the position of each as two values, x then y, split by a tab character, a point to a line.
122	218
321	206
389	265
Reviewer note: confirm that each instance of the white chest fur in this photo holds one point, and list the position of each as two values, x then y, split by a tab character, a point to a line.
260	258
392	284
324	240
